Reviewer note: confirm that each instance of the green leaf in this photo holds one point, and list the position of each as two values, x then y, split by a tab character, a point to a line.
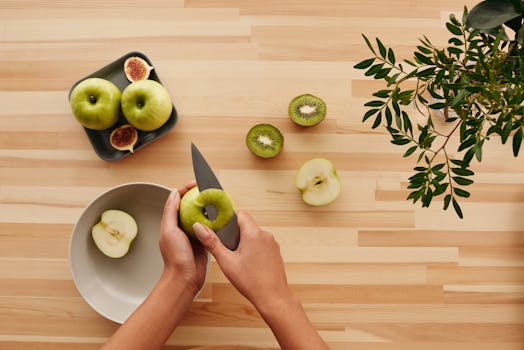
423	59
468	143
437	167
506	131
447	199
364	64
382	73
407	123
461	193
517	141
400	141
382	93
456	206
440	189
369	44
391	56
381	48
478	152
410	151
455	50
454	29
375	103
490	14
370	113
374	69
389	117
377	122
424	50
462	172
437	105
460	163
462	181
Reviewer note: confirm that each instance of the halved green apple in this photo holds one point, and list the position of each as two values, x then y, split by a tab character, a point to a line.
114	233
318	181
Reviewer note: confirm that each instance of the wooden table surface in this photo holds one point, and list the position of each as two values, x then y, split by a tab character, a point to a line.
373	271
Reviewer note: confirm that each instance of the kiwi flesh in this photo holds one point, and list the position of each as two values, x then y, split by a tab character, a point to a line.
307	110
264	140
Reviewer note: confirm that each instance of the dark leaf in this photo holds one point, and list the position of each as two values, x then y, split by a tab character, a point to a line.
457	162
456	206
424	50
454	29
375	103
462	172
461	193
468	143
462	181
410	151
440	189
382	73
381	48
506	131
389	118
374	69
364	64
455	51
423	59
490	14
391	56
368	44
400	141
437	167
369	114
447	199
382	93
437	105
378	120
517	141
407	123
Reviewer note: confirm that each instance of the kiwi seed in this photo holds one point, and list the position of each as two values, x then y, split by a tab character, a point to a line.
307	110
264	140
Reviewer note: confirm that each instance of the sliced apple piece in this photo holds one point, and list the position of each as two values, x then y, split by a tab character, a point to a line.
318	181
114	233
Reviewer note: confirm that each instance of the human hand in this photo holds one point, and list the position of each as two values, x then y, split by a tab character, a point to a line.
256	268
185	262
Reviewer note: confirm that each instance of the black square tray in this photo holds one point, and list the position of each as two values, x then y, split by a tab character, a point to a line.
114	72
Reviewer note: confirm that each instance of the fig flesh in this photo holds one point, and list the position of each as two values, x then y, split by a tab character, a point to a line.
124	138
136	69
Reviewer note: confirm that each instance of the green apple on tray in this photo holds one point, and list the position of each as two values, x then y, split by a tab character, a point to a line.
145	104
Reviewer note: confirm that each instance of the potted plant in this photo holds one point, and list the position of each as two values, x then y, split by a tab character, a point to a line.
477	83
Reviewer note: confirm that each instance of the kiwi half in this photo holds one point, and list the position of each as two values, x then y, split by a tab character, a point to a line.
264	140
307	110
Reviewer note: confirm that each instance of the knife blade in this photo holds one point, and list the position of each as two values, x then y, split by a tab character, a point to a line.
205	177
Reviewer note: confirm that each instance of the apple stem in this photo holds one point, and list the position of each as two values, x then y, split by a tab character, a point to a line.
92	98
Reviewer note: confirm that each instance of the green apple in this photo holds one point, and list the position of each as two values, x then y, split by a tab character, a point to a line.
114	233
318	181
192	209
146	104
95	103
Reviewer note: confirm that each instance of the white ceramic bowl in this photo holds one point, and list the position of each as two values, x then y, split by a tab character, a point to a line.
115	287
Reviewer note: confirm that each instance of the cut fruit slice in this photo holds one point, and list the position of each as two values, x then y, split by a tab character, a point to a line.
124	138
114	233
307	110
136	68
318	181
264	140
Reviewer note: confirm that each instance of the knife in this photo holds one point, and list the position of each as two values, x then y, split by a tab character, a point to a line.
205	177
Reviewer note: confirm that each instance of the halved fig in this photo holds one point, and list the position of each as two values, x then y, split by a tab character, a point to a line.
136	69
124	138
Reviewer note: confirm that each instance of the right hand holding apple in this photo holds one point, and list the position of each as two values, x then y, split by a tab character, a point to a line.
256	268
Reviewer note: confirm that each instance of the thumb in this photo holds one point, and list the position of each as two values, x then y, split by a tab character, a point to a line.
211	242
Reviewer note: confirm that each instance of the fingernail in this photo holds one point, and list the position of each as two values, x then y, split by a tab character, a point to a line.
200	231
